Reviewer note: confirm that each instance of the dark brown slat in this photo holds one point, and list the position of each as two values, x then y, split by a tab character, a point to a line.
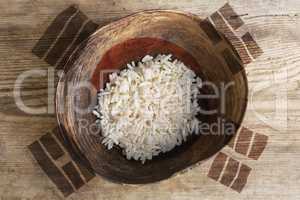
230	172
88	174
66	143
73	175
232	62
210	31
243	141
84	167
222	27
258	146
52	147
73	57
252	46
231	16
242	178
59	136
52	32
86	31
66	38
50	169
217	166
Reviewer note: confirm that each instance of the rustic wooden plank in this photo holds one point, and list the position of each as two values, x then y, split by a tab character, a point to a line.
217	166
52	147
222	26
241	180
243	141
51	169
230	172
45	42
231	16
87	173
73	175
62	43
24	22
259	142
86	30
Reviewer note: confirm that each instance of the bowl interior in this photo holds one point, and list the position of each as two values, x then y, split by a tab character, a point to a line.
130	39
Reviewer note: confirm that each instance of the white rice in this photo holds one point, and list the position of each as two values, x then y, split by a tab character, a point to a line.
149	108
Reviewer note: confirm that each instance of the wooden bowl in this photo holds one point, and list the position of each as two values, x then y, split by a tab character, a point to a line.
150	32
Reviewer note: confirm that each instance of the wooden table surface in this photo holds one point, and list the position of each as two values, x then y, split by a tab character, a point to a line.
273	109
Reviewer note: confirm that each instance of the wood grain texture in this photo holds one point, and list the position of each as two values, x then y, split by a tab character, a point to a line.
274	25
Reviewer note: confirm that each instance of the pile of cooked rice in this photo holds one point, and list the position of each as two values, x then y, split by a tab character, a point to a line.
149	108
